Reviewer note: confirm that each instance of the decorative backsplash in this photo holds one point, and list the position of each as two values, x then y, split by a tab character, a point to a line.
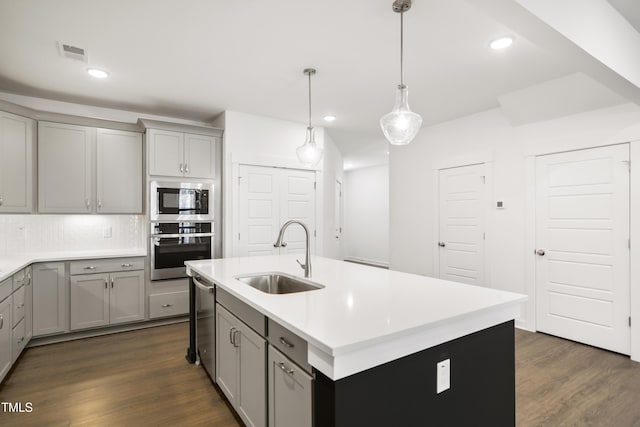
36	233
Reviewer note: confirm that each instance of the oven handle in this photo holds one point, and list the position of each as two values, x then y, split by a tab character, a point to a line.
203	286
160	236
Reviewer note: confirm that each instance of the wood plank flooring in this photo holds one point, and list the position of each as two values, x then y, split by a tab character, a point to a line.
141	378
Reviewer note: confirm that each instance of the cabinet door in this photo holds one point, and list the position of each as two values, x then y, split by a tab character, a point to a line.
18	340
126	299
251	402
119	171
290	392
28	304
18	305
65	168
89	301
50	299
198	156
226	353
16	163
165	152
5	337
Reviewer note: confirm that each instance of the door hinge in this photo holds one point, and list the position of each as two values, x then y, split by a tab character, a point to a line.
629	321
239	179
314	233
238	236
484	236
314	185
484	179
628	163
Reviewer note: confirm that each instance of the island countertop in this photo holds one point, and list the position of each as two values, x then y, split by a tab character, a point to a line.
364	316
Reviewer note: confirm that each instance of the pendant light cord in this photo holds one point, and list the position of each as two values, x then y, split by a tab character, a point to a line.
310	100
402	49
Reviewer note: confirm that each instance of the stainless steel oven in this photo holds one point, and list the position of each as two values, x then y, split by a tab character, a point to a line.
181	201
173	243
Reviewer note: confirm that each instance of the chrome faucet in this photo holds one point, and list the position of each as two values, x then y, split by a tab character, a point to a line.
307	262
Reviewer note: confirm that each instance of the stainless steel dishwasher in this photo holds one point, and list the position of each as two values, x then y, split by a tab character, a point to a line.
206	325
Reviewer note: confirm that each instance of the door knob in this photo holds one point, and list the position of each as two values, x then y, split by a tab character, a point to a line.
540	252
441	244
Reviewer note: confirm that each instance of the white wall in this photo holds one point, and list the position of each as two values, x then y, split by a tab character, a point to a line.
366	222
488	137
257	140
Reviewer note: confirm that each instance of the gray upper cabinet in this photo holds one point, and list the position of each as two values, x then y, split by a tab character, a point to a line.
16	163
180	154
87	170
65	169
119	171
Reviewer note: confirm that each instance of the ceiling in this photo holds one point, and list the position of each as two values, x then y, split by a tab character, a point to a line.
195	58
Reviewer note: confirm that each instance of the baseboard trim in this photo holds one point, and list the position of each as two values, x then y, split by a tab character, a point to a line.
54	339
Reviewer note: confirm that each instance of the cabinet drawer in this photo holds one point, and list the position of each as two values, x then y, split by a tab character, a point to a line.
249	315
6	287
105	265
19	337
289	343
18	306
169	304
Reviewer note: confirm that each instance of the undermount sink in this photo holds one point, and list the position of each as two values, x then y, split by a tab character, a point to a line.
278	283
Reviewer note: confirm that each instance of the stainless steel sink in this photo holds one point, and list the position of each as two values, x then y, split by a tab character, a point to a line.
278	283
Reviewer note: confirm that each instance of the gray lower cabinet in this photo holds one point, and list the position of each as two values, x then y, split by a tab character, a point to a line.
50	299
290	392
5	336
240	367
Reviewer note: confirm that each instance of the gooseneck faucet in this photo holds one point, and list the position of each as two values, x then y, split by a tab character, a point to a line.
307	262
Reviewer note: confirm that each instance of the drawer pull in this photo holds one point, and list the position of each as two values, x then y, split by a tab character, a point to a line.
90	267
20	306
232	336
20	340
285	369
167	305
127	265
286	343
1	321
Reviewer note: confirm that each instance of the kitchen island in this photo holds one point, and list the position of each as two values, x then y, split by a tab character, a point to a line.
375	338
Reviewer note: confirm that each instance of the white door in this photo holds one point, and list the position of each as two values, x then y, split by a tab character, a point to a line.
259	210
297	201
462	200
267	198
582	231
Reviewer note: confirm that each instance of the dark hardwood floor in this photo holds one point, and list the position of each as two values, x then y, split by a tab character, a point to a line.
141	378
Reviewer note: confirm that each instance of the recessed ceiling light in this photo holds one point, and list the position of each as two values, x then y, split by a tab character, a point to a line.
329	118
97	73
501	43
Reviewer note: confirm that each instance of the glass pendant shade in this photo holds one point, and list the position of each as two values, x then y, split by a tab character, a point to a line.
401	125
309	153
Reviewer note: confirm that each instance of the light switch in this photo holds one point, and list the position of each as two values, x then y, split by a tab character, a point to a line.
443	376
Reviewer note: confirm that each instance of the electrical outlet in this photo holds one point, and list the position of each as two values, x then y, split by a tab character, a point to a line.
106	232
443	376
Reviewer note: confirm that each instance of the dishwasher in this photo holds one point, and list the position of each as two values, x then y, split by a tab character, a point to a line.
206	325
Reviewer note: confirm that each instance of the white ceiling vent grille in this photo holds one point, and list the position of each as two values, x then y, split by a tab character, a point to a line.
73	52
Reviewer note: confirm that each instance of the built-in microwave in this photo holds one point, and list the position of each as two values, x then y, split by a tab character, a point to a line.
180	201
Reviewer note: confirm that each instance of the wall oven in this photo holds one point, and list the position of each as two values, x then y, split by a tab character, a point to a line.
173	243
181	201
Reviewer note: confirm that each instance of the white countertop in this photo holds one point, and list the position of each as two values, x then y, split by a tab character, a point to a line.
14	263
365	316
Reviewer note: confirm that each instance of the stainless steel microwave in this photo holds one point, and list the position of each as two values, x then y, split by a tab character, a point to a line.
181	201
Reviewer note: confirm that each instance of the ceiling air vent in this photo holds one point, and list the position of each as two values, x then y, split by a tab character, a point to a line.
73	52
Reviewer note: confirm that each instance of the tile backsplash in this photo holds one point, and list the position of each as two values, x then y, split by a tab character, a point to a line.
36	233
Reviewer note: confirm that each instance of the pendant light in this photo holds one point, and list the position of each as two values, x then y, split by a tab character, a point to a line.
309	153
401	125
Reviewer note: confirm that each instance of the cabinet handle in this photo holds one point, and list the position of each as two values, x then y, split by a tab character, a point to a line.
167	305
285	369
127	265
28	283
90	267
112	283
286	343
99	204
235	340
231	335
181	169
20	306
20	340
186	168
106	284
1	200
1	321
87	203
